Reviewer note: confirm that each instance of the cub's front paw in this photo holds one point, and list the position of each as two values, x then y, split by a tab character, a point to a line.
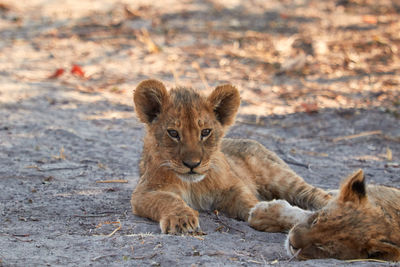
182	222
275	216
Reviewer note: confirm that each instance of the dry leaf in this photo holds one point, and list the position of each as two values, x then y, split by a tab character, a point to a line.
77	70
310	107
389	155
57	73
370	19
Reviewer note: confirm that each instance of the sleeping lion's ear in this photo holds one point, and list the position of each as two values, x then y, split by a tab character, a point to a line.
225	101
149	97
353	188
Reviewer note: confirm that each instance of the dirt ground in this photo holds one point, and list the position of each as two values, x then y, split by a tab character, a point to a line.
319	82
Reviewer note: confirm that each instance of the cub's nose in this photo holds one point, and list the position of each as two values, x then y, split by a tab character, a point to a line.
191	164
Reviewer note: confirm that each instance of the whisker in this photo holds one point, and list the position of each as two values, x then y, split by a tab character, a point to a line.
165	164
295	255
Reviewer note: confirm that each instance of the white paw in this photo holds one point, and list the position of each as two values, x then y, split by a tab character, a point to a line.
264	206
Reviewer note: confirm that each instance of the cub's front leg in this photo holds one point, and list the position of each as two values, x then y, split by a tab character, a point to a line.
237	201
168	208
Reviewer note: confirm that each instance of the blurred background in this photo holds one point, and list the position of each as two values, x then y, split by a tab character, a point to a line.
319	81
284	56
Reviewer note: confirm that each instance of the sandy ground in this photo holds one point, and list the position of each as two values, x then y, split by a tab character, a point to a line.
319	85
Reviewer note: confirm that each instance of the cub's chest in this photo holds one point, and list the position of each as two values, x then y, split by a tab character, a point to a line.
199	200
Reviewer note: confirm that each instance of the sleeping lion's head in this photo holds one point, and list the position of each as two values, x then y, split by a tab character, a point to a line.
185	127
351	226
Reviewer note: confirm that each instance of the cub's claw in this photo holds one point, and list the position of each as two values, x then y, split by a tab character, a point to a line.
184	222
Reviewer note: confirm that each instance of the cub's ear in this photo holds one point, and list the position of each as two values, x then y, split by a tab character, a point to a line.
149	97
225	101
353	188
384	250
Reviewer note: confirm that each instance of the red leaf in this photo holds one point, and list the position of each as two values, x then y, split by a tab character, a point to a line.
284	15
370	19
310	107
77	70
57	73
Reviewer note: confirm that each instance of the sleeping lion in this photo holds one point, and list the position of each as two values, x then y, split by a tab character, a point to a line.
360	222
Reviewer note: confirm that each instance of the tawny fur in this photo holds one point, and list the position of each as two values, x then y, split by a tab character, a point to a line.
360	222
187	165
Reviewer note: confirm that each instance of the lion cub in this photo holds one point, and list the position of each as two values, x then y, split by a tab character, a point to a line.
362	221
187	165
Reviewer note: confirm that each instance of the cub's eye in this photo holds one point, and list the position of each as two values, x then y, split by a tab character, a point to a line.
173	134
205	133
313	220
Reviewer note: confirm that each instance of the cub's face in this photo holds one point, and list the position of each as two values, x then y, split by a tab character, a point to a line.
185	127
349	227
343	233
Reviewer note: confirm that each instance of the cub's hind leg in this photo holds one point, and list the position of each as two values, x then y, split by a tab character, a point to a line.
276	216
273	177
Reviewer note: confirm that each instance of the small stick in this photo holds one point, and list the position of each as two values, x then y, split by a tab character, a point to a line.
307	166
117	229
103	256
253	261
197	237
19	239
56	169
91	215
356	135
100	214
226	225
144	257
265	262
111	181
20	235
371	260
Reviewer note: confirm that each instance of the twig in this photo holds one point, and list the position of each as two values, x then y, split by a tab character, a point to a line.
356	135
226	225
56	169
108	222
197	237
19	239
111	181
144	257
145	38
16	237
150	222
101	214
265	262
288	161
21	235
104	256
253	261
117	229
371	260
92	215
307	166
